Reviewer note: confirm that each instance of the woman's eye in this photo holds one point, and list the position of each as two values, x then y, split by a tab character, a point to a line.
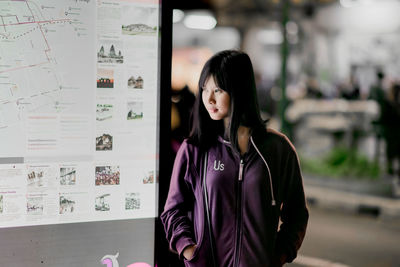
217	90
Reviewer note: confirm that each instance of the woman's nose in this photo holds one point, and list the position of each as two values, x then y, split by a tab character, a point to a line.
211	99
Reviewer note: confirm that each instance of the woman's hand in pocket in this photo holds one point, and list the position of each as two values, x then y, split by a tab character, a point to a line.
188	252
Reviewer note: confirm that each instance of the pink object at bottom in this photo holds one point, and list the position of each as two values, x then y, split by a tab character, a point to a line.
139	264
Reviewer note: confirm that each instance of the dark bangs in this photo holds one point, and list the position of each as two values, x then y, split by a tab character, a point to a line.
233	72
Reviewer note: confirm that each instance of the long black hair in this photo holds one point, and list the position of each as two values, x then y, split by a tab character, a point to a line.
233	72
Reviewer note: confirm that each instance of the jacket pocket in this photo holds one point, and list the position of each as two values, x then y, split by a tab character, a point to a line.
195	258
199	258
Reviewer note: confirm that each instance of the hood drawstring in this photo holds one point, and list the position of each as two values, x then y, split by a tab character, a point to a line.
273	202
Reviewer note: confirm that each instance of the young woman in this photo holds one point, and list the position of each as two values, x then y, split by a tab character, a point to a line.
251	175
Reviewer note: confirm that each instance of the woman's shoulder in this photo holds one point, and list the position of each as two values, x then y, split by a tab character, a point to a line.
272	133
189	148
276	138
190	143
188	153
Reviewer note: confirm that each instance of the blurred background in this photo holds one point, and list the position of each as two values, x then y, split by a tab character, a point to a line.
328	76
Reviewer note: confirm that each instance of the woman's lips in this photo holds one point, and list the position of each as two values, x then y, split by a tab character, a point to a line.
212	110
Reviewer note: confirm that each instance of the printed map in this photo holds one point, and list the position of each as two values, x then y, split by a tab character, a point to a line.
39	41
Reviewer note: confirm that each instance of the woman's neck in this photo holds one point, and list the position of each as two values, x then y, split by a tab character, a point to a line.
226	128
243	136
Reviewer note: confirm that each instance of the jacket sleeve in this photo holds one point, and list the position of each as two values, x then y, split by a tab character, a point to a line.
177	225
294	213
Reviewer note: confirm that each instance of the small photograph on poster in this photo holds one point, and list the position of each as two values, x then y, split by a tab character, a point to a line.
34	205
107	175
42	176
104	112
1	203
148	178
36	178
135	110
132	201
135	83
104	142
140	21
138	29
67	204
105	78
109	51
67	176
102	202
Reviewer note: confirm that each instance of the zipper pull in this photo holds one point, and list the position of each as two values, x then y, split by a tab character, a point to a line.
241	170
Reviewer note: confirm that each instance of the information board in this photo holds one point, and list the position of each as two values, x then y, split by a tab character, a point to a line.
79	88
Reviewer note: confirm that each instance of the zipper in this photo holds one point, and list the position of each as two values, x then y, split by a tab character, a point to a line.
239	215
241	170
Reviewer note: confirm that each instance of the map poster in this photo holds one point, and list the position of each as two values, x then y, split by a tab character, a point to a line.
78	110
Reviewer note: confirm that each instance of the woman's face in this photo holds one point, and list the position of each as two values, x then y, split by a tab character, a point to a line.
216	100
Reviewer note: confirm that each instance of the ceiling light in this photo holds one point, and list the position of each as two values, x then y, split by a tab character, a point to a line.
200	20
177	15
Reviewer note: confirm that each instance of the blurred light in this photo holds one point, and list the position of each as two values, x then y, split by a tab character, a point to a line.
271	36
369	2
349	3
276	93
293	39
177	15
296	2
292	28
201	20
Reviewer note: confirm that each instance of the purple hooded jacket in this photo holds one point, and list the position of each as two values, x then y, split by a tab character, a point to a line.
247	196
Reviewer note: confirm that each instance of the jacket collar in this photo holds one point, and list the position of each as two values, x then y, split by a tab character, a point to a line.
222	140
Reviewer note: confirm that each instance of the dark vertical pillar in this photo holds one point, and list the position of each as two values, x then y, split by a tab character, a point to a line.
284	56
161	245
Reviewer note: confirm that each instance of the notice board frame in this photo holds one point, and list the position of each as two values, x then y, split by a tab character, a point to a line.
86	243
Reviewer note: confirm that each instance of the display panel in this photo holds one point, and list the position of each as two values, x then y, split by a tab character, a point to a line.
79	86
